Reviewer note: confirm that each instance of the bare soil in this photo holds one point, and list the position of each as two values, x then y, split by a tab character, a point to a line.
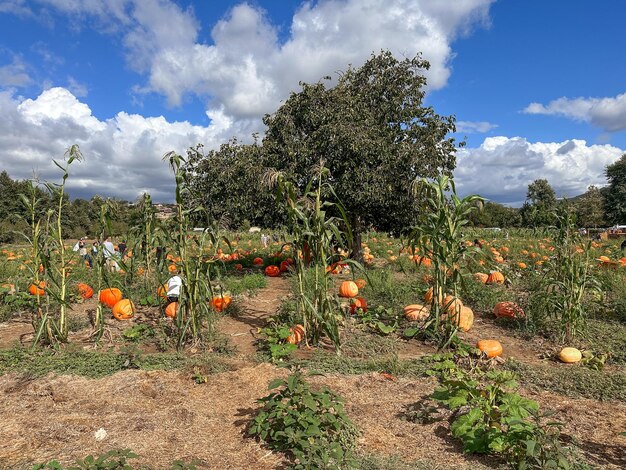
164	416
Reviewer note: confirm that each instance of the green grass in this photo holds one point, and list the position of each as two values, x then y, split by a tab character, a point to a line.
247	284
96	364
573	381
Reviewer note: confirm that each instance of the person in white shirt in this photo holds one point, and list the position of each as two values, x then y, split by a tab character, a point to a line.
109	252
173	287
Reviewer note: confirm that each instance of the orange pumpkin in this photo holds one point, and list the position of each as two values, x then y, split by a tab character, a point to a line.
124	309
348	289
34	290
416	312
85	290
495	277
258	261
358	303
221	303
451	304
508	309
481	277
110	296
238	267
464	319
360	283
272	271
490	347
171	309
162	291
297	334
284	266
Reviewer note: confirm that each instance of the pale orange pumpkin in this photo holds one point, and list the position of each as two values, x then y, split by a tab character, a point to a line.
416	312
171	309
360	283
124	309
297	334
490	347
481	277
464	319
451	304
570	355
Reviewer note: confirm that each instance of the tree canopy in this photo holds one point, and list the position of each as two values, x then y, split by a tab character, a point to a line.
615	205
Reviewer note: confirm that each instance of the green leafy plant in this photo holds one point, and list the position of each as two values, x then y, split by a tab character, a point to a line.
112	460
438	238
310	426
276	344
138	332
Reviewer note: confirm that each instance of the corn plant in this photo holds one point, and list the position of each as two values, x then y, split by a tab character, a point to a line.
55	260
99	265
568	277
438	237
194	267
314	233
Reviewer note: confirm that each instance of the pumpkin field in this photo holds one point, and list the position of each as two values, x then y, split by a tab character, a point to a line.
448	347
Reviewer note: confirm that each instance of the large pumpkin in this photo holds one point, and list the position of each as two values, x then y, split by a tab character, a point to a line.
416	312
451	304
491	347
357	304
495	277
124	309
570	355
171	309
34	290
508	310
463	319
221	302
85	290
348	289
272	271
110	296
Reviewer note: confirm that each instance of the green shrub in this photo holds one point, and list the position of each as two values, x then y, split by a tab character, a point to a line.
310	426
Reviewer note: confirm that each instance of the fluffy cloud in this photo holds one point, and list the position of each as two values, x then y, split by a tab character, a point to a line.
502	168
122	154
606	113
14	74
247	71
474	127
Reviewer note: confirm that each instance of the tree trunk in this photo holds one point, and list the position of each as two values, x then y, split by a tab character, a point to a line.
355	250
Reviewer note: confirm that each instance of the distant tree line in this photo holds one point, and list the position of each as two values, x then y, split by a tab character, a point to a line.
80	217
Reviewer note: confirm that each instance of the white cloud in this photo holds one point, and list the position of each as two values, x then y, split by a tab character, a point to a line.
122	154
606	113
246	71
14	74
474	127
502	168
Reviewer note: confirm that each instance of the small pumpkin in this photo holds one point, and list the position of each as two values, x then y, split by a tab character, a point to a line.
171	309
272	271
348	289
495	277
221	302
284	266
416	312
238	267
490	347
357	304
481	277
508	310
570	355
428	296
124	309
360	283
257	261
451	304
85	290
34	290
297	334
162	291
110	296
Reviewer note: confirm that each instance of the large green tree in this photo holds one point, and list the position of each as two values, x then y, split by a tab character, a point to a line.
590	208
615	195
538	209
496	215
228	184
375	135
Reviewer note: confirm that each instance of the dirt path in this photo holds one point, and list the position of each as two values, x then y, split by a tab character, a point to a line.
241	328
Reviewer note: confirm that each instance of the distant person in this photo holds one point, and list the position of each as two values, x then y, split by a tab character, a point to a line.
121	247
264	240
477	243
82	251
108	250
174	284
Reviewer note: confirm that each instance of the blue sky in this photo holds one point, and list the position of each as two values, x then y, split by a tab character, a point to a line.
536	86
